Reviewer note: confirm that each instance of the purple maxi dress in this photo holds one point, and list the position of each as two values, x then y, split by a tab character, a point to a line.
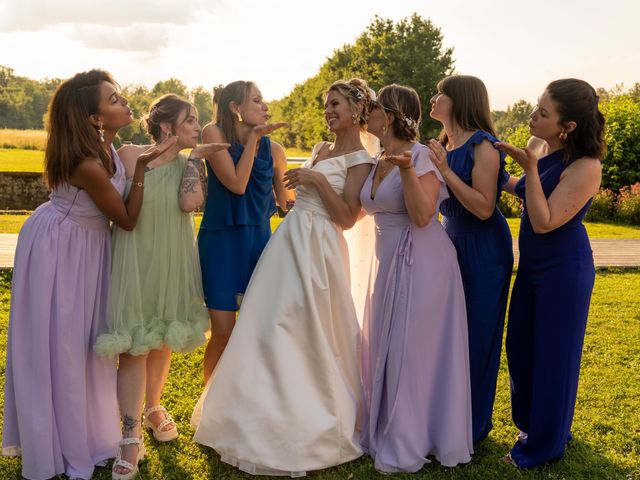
415	365
60	404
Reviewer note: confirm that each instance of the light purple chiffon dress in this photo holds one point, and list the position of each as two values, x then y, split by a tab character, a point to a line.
415	365
60	404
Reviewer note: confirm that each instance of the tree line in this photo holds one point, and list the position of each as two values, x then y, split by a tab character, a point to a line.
409	51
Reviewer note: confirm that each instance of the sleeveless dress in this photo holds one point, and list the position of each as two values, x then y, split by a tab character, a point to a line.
235	229
155	297
60	406
415	365
546	328
285	394
485	256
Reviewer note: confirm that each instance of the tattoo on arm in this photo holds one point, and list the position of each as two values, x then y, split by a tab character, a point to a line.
128	423
190	178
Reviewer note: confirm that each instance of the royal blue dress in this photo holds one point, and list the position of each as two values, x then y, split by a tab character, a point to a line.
485	255
547	321
235	229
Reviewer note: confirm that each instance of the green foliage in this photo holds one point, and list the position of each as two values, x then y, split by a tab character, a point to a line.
515	116
23	101
603	207
518	137
621	165
628	204
510	205
408	52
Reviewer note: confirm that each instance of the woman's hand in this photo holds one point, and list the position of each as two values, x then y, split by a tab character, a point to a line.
300	176
206	149
438	156
154	152
268	128
403	161
525	157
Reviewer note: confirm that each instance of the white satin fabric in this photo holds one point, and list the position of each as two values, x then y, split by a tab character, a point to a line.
285	396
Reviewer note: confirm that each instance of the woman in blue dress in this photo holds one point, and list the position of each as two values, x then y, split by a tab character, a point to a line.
240	202
552	291
475	174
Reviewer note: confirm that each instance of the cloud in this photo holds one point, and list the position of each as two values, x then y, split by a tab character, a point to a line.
142	37
32	15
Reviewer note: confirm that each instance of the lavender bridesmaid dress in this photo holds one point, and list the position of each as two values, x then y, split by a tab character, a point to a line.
60	405
415	365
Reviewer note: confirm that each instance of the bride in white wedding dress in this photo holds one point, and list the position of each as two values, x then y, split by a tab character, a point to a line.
285	395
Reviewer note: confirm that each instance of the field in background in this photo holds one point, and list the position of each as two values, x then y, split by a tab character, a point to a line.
27	139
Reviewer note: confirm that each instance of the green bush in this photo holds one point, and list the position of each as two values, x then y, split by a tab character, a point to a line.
603	207
621	164
510	205
628	204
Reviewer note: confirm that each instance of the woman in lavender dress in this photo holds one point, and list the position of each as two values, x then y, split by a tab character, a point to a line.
60	406
415	366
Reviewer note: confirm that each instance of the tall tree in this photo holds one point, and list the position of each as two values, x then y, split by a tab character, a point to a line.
409	52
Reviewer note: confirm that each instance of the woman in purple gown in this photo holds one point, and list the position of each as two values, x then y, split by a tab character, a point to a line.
60	406
415	367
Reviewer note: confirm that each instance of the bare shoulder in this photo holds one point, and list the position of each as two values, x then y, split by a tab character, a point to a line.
277	151
89	171
131	152
212	133
586	166
485	149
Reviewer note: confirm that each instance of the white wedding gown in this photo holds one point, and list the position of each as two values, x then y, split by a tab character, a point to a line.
285	395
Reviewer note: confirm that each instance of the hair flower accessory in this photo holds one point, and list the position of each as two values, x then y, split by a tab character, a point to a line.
409	122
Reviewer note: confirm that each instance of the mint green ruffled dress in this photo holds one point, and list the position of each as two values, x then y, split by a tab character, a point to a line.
155	295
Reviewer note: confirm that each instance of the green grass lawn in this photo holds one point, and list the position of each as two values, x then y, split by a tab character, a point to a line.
11	224
606	427
19	160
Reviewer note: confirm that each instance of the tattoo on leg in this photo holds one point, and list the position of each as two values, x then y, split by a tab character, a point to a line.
129	423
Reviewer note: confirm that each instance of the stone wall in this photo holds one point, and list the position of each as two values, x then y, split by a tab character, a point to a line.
22	190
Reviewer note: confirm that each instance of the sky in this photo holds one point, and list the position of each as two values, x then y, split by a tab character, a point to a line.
515	46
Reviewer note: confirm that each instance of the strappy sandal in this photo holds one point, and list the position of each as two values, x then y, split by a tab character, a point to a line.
119	462
158	433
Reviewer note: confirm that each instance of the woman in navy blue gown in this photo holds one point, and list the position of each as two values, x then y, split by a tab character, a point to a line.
475	174
552	290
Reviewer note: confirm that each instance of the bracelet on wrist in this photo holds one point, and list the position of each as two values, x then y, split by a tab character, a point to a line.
406	168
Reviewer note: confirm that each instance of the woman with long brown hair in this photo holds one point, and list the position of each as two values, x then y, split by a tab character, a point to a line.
60	405
475	174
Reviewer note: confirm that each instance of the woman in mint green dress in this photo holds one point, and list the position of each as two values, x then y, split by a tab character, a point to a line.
156	302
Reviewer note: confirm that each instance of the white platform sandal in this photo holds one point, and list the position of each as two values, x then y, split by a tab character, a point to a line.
158	433
119	462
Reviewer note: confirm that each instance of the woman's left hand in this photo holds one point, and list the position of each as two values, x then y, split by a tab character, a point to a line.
404	160
300	176
438	156
524	156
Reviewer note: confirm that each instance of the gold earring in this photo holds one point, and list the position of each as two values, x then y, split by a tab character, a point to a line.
563	135
384	130
239	117
354	118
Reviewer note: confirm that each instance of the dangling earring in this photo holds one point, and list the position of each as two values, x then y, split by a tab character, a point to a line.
563	136
354	118
239	117
101	131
